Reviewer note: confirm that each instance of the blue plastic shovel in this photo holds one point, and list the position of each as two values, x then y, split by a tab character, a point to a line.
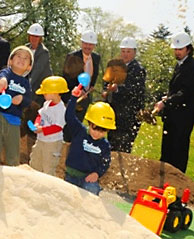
31	125
5	100
84	80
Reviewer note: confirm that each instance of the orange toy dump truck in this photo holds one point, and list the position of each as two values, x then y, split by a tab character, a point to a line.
157	208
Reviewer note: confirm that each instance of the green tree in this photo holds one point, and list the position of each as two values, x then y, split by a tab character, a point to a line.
158	59
161	33
58	18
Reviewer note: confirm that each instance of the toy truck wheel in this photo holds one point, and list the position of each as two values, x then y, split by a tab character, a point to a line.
187	217
173	221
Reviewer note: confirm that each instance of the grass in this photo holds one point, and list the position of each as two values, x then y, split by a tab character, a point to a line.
148	144
186	234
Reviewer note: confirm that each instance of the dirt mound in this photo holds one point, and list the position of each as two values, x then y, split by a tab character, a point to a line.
128	174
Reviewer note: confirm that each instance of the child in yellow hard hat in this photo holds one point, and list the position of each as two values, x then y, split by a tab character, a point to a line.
50	121
89	154
15	84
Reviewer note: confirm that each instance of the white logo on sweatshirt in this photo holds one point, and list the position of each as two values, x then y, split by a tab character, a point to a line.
89	147
16	87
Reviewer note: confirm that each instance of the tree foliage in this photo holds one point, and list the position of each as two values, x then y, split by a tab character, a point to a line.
161	33
57	17
158	59
59	20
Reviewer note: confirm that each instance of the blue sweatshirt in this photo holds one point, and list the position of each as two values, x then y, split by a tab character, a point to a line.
86	154
17	85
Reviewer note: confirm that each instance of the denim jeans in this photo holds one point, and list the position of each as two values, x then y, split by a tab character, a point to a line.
80	182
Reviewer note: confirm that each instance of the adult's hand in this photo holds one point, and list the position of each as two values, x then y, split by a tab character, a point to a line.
159	106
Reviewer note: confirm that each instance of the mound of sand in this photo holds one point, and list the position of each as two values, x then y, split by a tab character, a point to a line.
34	205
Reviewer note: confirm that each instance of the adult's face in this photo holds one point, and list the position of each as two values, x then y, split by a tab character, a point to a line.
87	48
34	41
181	53
128	54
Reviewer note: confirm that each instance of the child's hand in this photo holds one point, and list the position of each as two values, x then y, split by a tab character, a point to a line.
39	129
3	84
16	100
76	92
93	177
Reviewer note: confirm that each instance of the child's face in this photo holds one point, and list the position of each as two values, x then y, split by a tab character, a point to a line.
52	97
21	62
95	133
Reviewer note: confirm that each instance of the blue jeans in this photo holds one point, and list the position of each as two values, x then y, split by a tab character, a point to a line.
80	182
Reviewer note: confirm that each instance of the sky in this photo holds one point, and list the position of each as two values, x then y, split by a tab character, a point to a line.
148	14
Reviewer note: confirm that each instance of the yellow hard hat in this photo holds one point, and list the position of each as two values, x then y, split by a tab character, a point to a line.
53	84
101	114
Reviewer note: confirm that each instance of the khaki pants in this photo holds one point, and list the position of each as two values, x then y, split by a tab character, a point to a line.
45	156
61	167
10	141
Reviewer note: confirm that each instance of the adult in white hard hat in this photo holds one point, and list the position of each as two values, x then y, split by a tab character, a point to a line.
178	105
90	61
128	99
41	68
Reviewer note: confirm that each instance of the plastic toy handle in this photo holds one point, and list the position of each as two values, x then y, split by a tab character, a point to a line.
77	91
186	195
3	91
80	86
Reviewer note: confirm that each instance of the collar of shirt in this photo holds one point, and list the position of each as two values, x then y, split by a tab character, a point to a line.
180	62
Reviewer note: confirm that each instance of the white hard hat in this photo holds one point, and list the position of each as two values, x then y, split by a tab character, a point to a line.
89	37
180	40
128	42
36	30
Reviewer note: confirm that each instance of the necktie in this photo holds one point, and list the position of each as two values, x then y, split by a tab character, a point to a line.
88	67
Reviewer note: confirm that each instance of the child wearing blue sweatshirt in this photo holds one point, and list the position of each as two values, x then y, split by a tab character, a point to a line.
14	82
89	154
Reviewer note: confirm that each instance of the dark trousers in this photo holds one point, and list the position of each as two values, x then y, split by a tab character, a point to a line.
176	139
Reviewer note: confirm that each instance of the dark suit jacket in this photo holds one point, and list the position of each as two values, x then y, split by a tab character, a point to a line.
40	70
4	52
74	82
181	89
130	97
